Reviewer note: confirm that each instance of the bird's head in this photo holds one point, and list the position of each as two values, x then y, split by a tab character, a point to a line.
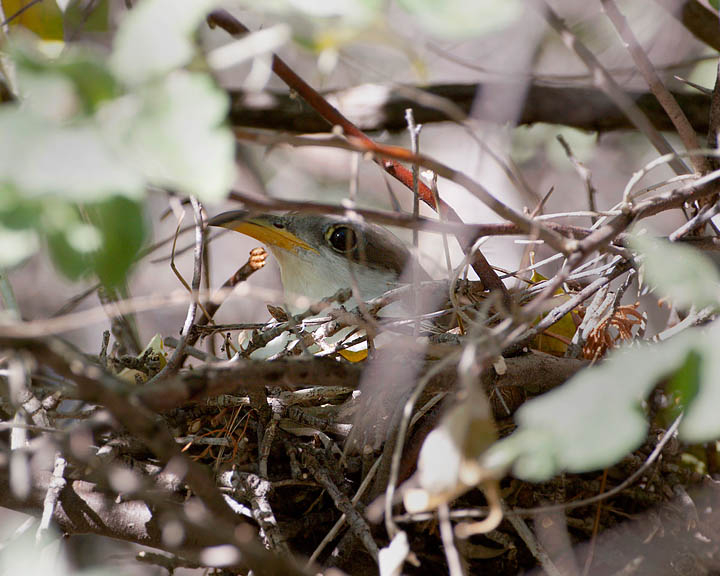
319	255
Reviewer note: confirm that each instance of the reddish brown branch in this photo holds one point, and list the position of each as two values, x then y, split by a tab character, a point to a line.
320	104
524	223
690	192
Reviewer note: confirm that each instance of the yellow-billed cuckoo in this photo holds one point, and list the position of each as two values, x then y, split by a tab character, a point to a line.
316	253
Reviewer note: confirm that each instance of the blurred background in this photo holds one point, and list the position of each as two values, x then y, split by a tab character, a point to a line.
356	51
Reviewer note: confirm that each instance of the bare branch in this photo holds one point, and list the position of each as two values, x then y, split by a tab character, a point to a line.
698	18
178	356
585	108
669	104
605	82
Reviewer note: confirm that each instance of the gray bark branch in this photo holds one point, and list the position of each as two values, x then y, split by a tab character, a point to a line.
583	108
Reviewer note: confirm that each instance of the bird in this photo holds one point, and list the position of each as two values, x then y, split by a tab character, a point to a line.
321	254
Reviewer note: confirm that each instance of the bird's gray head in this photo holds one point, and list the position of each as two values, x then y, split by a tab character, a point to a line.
319	255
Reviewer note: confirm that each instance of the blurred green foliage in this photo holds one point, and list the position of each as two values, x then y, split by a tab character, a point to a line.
680	273
89	133
598	416
52	21
328	25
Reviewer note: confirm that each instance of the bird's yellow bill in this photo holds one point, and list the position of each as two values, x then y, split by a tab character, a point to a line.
354	356
268	235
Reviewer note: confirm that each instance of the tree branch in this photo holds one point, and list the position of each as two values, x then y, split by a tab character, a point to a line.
700	20
683	127
578	107
82	508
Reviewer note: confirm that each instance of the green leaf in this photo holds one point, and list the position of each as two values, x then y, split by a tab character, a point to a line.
80	136
66	234
39	157
45	19
87	17
156	37
84	72
702	421
178	138
17	213
122	226
682	387
455	18
72	263
679	272
595	418
105	245
93	81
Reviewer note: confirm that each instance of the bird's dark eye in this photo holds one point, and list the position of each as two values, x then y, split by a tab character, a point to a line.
341	238
278	224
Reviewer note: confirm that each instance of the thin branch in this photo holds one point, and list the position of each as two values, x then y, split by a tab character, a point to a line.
121	325
646	68
704	215
523	223
330	536
357	523
714	116
84	508
255	262
533	545
605	82
178	355
414	130
583	172
19	13
257	490
393	449
448	539
399	219
57	485
576	299
97	386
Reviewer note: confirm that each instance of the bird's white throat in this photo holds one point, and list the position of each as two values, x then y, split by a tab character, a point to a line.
319	275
